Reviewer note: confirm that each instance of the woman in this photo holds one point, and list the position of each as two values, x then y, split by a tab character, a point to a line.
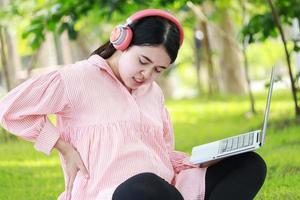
113	131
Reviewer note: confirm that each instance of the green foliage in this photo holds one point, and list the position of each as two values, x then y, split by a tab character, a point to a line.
60	15
263	55
267	24
261	25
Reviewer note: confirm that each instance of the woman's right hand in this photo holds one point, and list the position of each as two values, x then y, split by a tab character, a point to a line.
73	162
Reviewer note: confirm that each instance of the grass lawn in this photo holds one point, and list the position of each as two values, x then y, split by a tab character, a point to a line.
29	175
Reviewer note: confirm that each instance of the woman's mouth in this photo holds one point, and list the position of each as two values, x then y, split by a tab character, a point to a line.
138	81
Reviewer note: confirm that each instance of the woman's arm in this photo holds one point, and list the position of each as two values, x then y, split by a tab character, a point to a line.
62	146
24	110
73	163
179	160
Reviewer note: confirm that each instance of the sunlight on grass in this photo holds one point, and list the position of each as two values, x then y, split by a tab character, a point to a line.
30	163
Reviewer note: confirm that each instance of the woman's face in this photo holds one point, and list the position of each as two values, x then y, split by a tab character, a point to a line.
139	65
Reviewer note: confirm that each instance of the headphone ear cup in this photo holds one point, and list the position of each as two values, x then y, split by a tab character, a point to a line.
121	37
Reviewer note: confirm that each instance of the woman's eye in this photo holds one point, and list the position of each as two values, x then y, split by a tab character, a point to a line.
158	70
143	63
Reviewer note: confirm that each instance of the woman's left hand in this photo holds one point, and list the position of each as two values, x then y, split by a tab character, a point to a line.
210	163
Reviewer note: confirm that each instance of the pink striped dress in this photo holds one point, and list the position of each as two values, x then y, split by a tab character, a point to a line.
117	133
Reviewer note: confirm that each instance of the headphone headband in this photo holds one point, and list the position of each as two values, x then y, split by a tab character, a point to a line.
156	12
122	35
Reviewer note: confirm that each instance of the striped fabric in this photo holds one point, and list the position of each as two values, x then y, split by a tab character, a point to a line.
117	133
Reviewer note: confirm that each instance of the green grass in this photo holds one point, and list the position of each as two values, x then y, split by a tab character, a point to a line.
27	174
202	121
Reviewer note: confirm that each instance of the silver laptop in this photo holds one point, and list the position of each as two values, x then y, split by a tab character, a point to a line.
234	145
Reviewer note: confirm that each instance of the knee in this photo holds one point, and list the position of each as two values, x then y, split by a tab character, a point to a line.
258	165
146	178
148	175
142	186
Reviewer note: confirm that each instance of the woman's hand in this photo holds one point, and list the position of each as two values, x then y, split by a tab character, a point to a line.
73	164
209	163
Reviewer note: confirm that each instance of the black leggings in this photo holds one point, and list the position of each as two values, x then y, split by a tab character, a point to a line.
235	178
146	186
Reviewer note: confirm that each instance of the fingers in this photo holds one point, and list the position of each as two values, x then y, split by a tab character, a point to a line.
83	169
67	193
209	163
81	166
70	186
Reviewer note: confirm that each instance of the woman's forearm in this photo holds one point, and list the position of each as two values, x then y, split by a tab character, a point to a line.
62	146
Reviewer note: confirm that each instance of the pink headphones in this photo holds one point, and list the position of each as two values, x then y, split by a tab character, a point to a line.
122	34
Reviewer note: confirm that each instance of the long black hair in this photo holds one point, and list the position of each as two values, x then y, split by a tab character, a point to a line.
149	31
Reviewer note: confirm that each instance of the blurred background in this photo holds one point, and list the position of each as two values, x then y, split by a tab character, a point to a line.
216	88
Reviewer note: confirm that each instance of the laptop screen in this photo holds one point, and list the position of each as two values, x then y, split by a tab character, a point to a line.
263	134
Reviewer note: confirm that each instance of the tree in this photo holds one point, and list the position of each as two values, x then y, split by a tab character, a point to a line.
219	21
230	61
246	64
62	15
9	57
203	23
269	24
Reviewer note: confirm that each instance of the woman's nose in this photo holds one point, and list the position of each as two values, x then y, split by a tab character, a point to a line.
146	73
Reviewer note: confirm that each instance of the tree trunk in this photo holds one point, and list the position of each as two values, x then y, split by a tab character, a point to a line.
13	58
47	55
246	64
252	103
213	85
80	47
230	63
63	49
10	58
288	59
212	80
198	45
4	60
10	61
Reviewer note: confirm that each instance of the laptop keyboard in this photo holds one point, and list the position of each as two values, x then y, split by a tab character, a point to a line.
234	143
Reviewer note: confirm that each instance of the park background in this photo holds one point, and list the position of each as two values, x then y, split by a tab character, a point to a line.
216	88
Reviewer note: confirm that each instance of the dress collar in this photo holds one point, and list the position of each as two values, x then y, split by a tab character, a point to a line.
101	63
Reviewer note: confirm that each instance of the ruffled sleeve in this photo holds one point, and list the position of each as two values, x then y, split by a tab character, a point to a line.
179	160
23	111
